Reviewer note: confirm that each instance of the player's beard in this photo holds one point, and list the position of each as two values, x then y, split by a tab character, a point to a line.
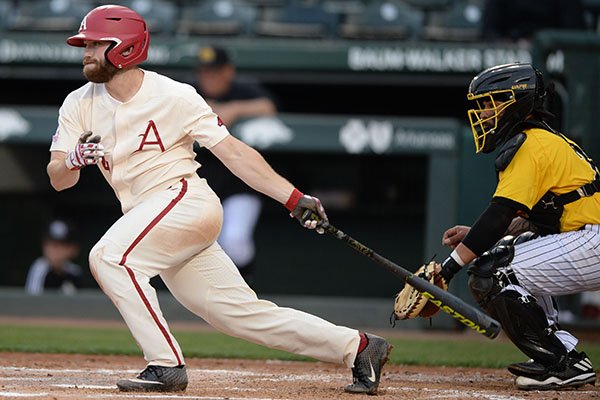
98	72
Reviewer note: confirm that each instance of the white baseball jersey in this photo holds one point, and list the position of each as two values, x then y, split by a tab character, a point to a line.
170	225
148	140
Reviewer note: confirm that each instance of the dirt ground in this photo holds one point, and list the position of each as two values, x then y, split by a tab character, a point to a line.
57	376
61	376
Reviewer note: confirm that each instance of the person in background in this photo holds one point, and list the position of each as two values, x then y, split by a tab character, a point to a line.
232	99
55	270
519	20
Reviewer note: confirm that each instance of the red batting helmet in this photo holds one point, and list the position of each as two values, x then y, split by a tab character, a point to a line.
120	25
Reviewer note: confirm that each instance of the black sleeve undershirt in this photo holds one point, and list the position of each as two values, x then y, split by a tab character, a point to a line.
492	224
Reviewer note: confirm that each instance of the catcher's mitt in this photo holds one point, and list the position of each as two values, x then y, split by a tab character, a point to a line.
410	303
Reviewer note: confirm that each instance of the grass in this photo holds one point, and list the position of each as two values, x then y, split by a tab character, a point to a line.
409	351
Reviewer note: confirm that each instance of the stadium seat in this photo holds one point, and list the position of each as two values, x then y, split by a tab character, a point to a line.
461	22
217	17
160	15
267	3
592	14
384	19
300	19
6	8
344	6
48	16
428	5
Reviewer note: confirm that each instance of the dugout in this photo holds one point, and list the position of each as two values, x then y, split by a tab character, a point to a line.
393	174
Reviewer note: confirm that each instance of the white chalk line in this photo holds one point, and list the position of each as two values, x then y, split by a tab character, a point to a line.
70	371
111	372
151	395
455	394
267	376
134	396
435	393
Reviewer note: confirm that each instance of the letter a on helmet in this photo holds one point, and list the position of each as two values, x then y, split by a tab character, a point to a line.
120	25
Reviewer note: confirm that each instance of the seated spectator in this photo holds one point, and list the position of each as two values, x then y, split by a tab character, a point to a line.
55	270
519	20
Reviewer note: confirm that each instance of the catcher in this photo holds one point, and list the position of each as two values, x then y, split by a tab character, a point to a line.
540	234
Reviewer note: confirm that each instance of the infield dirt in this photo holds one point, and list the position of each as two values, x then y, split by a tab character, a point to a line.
75	376
58	376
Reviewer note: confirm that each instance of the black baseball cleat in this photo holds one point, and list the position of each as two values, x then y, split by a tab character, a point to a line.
156	379
529	368
368	364
577	372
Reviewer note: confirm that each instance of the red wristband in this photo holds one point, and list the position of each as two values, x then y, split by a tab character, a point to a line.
293	200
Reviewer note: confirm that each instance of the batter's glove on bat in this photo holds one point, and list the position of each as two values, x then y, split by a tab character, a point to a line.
88	151
410	303
307	210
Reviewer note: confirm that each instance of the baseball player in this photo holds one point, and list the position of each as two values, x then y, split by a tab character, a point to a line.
547	201
139	127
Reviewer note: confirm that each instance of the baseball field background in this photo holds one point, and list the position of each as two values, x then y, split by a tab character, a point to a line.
82	359
378	132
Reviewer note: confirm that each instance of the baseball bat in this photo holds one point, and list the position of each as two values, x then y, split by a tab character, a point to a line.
446	301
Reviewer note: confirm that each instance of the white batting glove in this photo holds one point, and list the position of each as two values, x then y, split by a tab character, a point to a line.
88	151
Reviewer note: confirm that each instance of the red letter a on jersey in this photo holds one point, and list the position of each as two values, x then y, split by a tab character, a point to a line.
145	141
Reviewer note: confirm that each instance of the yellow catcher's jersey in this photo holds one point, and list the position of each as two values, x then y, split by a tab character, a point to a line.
545	162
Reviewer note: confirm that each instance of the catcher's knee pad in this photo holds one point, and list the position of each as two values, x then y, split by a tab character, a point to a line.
491	272
526	325
485	277
525	237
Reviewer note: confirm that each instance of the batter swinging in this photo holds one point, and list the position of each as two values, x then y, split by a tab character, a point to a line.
144	126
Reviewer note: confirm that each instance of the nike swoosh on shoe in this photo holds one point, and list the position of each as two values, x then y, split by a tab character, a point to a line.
371	377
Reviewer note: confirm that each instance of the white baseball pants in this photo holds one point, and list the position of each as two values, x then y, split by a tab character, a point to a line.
172	233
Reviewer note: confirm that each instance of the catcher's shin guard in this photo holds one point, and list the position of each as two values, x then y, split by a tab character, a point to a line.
522	319
526	325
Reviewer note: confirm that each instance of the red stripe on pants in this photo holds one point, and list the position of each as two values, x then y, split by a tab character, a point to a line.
132	275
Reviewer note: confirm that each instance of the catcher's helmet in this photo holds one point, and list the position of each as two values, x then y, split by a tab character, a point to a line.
505	95
120	25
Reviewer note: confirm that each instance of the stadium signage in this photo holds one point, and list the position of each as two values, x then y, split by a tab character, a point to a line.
31	51
359	136
431	59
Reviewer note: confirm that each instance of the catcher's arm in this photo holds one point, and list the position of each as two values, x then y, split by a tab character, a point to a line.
520	225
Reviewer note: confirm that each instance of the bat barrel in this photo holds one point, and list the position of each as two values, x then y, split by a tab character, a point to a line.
447	302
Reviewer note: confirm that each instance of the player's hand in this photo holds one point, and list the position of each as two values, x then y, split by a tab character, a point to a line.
308	210
453	236
88	151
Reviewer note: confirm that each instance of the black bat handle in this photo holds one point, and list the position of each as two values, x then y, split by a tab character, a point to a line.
456	307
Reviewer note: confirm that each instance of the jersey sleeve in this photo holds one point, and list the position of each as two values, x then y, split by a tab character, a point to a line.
70	126
201	122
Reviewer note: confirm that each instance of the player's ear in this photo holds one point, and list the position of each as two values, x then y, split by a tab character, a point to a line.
127	51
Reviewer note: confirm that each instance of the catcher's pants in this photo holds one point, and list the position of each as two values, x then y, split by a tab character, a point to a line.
172	233
555	265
